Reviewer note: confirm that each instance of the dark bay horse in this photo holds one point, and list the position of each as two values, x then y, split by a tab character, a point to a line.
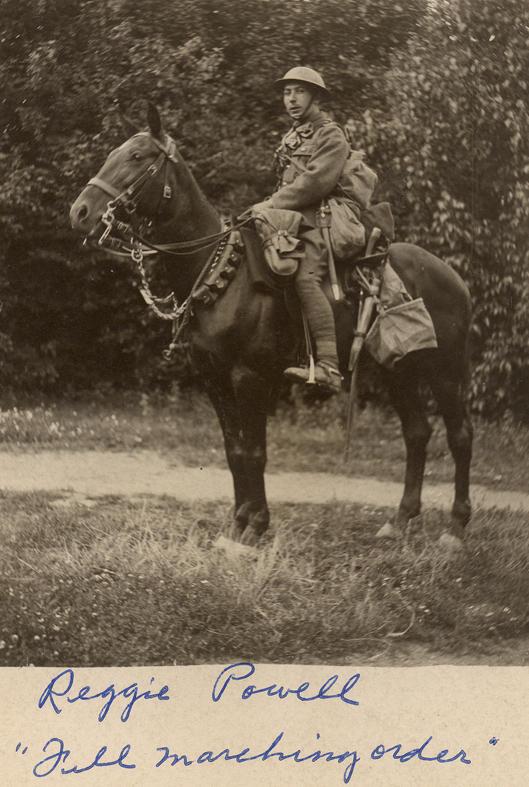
243	342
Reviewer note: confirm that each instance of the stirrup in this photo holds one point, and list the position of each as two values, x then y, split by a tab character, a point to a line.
326	375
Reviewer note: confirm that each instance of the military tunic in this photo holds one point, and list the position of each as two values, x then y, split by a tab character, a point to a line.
310	161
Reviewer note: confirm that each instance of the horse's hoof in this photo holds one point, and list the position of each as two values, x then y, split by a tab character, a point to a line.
234	548
450	543
250	538
234	533
388	531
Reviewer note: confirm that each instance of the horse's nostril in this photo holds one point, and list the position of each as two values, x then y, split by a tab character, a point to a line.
82	213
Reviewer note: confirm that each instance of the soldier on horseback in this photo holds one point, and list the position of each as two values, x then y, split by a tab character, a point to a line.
310	163
237	341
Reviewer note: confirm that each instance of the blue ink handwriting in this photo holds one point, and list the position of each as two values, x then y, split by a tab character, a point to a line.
381	750
244	755
59	758
243	670
276	749
62	686
60	754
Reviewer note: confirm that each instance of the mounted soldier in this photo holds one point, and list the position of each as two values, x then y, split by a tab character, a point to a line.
237	334
311	166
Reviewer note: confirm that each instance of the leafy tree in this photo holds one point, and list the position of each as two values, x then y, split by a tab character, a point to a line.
434	92
71	318
453	141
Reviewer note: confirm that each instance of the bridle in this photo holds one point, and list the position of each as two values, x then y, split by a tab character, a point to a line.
130	240
129	200
138	246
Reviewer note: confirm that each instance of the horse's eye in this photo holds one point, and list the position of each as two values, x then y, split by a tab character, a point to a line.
136	156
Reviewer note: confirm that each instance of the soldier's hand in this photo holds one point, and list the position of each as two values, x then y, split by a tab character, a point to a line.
260	206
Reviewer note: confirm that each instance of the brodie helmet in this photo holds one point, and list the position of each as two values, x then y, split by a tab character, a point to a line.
307	75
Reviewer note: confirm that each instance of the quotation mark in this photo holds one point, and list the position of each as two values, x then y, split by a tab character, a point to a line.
23	751
493	741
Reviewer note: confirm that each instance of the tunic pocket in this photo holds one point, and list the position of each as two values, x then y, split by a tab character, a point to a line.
305	150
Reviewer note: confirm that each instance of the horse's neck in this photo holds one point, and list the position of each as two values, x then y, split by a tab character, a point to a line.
193	219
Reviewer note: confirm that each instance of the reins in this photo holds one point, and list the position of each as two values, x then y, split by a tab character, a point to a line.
129	200
191	247
137	246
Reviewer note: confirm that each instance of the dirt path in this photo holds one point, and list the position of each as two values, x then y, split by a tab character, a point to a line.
96	473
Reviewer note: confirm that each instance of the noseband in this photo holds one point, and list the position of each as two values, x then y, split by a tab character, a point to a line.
137	246
129	199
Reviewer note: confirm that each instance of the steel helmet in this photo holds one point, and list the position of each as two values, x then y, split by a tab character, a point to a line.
307	75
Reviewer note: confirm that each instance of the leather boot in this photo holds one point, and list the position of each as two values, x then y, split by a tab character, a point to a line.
326	376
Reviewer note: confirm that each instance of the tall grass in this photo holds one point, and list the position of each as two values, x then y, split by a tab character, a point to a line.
129	583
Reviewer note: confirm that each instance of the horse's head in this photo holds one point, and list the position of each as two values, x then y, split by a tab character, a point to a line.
137	182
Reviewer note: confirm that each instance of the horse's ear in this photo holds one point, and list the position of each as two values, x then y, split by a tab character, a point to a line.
128	126
154	120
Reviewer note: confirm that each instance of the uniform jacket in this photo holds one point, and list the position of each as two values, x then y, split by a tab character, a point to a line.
318	151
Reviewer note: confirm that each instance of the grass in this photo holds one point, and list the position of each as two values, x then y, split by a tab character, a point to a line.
136	582
300	437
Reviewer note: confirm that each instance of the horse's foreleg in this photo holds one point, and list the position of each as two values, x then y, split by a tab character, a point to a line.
222	397
251	393
416	431
451	398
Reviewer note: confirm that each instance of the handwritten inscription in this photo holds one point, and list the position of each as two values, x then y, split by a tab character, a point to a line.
398	752
59	754
243	670
275	749
240	681
60	691
59	758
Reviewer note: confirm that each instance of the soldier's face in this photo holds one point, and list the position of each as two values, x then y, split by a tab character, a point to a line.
297	99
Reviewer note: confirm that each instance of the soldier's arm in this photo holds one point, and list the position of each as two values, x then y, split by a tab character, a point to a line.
322	173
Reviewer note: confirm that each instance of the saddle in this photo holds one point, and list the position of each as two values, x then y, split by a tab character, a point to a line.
277	230
401	324
273	251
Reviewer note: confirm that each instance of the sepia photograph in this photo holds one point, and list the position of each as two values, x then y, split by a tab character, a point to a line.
264	331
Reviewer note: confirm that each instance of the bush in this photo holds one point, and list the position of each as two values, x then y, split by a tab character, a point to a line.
453	141
435	93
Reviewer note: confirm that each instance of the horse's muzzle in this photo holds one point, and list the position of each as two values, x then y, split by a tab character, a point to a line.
85	213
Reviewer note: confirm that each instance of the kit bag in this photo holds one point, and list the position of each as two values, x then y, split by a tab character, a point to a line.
347	233
358	181
356	187
403	324
278	230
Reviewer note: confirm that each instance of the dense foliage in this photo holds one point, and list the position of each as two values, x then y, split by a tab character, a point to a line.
434	93
454	135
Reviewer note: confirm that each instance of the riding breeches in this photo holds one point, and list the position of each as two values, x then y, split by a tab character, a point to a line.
317	309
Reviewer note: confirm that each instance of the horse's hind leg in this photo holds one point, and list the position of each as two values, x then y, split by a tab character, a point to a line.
451	398
406	399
